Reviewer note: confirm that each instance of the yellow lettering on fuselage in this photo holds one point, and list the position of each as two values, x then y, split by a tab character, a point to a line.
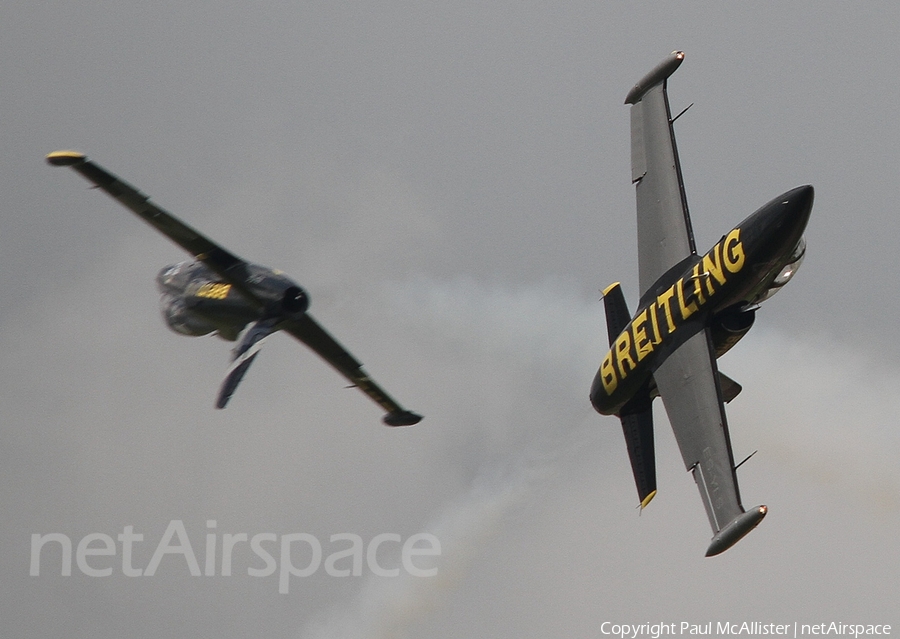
641	342
712	264
213	290
664	302
696	275
654	320
733	253
687	308
623	353
634	344
608	374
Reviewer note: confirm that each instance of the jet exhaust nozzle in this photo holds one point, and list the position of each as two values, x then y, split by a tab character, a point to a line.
295	300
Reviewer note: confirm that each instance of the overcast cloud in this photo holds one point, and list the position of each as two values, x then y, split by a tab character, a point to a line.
452	186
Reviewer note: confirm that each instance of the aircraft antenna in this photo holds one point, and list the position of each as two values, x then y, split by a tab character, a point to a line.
746	458
682	113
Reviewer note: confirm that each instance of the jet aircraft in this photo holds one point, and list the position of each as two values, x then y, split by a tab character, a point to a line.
220	293
693	308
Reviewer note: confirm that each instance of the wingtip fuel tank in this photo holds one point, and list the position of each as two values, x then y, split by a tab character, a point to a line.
734	531
65	158
402	418
659	73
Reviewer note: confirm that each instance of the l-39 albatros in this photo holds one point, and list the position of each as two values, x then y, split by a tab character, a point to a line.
220	293
693	308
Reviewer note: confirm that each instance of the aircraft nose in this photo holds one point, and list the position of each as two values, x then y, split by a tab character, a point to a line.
800	199
788	213
797	207
781	222
778	225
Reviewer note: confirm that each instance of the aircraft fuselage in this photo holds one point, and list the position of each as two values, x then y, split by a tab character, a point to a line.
736	273
195	301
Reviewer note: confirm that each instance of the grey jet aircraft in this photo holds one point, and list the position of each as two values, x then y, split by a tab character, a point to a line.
220	293
693	308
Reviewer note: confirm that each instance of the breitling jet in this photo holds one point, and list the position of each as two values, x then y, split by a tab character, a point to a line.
693	308
218	292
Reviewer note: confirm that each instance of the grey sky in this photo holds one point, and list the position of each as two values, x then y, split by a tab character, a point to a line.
451	184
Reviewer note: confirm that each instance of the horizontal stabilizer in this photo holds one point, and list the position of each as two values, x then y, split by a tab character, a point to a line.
735	530
617	316
234	377
242	356
638	429
730	388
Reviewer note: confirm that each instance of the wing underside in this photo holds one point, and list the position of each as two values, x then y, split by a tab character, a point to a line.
308	331
665	236
688	383
232	268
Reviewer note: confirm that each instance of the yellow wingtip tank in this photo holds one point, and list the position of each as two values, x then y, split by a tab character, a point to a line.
65	158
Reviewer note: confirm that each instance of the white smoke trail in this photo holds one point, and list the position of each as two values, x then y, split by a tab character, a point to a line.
393	607
813	407
530	336
388	607
823	409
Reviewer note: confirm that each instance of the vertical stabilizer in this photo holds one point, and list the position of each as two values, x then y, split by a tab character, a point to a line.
637	415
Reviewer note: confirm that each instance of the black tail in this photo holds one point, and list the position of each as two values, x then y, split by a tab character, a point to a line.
637	415
617	316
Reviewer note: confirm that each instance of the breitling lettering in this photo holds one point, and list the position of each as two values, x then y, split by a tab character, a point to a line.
671	308
214	290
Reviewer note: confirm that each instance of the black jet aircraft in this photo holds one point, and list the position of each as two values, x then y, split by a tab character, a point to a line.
220	293
693	308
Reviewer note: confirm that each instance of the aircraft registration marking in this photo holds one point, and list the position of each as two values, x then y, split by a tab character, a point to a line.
671	308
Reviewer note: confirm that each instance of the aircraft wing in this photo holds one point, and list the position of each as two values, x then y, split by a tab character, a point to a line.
230	267
688	383
665	236
308	331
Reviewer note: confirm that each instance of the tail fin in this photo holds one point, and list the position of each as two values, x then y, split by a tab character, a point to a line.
637	415
638	429
617	316
242	356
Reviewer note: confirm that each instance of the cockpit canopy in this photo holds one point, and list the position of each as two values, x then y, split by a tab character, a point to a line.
787	271
174	278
